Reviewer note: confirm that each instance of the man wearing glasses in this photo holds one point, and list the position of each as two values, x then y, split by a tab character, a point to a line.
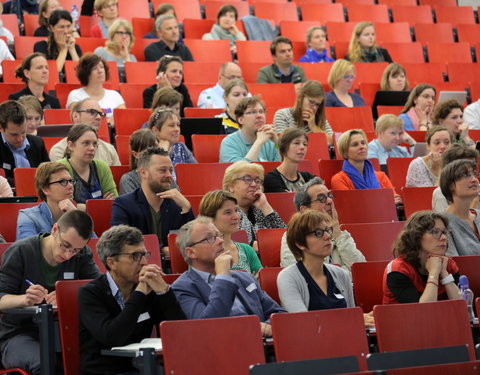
122	306
87	111
30	268
209	289
316	196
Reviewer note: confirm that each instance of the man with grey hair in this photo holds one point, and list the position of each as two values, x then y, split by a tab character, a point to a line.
209	289
87	111
167	28
122	306
316	196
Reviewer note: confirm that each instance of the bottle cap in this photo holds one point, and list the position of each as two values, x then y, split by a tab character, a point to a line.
463	281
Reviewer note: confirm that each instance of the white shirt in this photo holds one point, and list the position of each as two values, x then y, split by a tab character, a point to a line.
471	115
111	100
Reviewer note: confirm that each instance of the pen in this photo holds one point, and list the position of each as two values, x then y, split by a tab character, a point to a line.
29	282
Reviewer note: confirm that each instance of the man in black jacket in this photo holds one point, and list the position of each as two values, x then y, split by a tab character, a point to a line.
18	149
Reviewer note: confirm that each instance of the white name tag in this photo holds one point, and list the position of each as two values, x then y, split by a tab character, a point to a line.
251	287
68	275
144	316
6	166
97	194
339	296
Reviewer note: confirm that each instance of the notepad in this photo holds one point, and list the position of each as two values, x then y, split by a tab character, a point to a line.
145	343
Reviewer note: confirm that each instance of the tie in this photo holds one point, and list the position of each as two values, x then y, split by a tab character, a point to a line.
119	299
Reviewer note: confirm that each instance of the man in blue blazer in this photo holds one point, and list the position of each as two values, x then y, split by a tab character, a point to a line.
155	207
209	289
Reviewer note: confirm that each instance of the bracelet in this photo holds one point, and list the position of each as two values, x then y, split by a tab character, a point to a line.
432	282
447	279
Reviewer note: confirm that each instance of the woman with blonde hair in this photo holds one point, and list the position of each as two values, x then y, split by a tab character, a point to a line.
118	46
317	50
394	78
341	78
362	47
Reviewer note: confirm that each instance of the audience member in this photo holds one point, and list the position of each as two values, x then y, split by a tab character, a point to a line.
44	11
60	45
92	72
390	134
18	149
209	289
317	47
164	8
450	114
30	267
308	112
282	70
222	208
255	141
357	171
140	140
459	185
34	72
34	112
471	115
168	31
228	71
93	178
292	146
166	98
54	187
417	113
156	207
119	44
5	53
394	78
425	170
124	305
107	10
340	79
421	272
87	112
169	74
362	47
244	181
316	196
235	91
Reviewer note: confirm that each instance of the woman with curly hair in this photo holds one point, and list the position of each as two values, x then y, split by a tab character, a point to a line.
363	48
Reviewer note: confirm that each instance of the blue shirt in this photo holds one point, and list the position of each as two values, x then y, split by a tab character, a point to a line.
376	150
331	100
235	147
19	155
34	220
313	56
407	122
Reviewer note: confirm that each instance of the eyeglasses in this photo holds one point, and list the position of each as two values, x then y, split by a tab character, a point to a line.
111	5
469	175
136	256
63	182
210	239
322	198
349	76
122	33
93	112
319	233
437	233
254	113
313	103
68	248
248	180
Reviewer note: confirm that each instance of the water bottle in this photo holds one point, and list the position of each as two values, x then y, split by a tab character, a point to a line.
209	102
467	295
75	16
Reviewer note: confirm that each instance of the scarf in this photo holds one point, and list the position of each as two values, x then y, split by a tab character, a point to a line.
367	181
221	34
413	117
314	56
373	55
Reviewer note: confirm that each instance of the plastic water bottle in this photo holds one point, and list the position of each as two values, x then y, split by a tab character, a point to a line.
209	102
75	16
467	295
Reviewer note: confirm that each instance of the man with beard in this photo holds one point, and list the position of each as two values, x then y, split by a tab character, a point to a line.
156	207
316	196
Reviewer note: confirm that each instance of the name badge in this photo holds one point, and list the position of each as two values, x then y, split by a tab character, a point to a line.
251	287
97	194
68	275
339	296
6	166
144	316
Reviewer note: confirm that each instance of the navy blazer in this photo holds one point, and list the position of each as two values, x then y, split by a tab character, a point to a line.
200	301
133	209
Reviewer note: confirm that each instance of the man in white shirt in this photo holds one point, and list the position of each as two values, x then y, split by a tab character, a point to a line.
228	71
87	111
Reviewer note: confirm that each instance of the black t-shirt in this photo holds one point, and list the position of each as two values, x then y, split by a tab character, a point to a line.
42	47
47	103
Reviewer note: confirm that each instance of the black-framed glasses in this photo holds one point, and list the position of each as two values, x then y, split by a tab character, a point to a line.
63	182
248	180
321	232
209	239
122	33
136	256
68	248
93	112
437	233
322	198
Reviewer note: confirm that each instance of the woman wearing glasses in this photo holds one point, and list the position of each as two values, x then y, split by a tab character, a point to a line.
54	187
341	78
459	185
221	206
311	284
244	181
421	272
119	44
93	178
255	141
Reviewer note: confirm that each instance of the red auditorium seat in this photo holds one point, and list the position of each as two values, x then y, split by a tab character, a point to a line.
370	13
412	14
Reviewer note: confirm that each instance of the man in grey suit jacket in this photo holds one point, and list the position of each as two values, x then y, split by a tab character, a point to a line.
209	289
